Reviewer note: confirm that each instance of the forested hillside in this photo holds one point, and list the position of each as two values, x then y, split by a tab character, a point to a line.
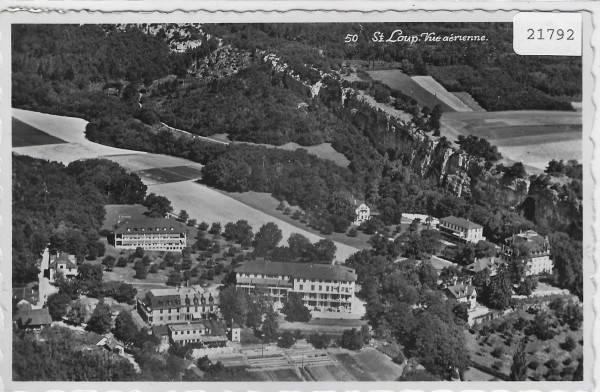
490	71
63	207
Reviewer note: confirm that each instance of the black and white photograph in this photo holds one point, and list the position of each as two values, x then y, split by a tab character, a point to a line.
369	201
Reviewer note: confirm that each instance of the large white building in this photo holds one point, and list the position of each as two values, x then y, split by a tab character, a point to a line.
322	287
205	333
538	261
461	230
178	305
151	234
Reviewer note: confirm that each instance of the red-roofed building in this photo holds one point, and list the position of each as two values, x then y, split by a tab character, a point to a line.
151	234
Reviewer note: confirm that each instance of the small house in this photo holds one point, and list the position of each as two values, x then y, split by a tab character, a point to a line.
33	318
463	293
63	264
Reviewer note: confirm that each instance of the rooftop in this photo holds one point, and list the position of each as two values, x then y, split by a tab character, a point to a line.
187	327
175	297
298	270
34	317
461	290
150	225
63	258
529	236
461	222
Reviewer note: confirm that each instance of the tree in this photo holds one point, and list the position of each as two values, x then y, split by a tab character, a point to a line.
352	340
439	346
183	216
139	252
78	312
57	304
203	226
286	340
125	328
294	309
141	271
215	228
109	262
500	289
192	222
158	206
174	279
233	305
270	324
267	238
101	321
89	278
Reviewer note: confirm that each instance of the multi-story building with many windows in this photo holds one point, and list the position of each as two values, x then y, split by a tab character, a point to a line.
322	287
530	248
151	234
178	305
205	333
461	230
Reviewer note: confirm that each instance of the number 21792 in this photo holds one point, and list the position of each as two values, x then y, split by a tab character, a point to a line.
556	34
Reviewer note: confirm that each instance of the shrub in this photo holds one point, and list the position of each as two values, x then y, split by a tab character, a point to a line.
533	365
551	363
319	341
497	352
497	365
567	361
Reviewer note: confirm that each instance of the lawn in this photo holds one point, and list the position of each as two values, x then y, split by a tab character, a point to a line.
209	205
268	204
397	80
162	175
27	135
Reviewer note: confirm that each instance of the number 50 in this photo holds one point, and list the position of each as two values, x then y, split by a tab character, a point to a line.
351	38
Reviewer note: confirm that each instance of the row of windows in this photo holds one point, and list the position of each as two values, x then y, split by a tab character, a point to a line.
194	331
312	288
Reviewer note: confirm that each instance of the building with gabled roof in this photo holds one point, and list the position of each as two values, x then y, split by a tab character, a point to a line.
461	230
175	305
322	287
161	234
63	264
33	318
537	256
463	293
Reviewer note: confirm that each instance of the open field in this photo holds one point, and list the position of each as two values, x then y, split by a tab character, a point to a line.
69	129
397	80
147	161
468	100
268	204
24	135
353	367
533	137
438	91
162	175
206	204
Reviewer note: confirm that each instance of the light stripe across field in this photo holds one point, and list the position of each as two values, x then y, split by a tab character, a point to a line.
431	85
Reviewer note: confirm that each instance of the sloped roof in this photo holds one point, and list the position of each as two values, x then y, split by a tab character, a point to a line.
461	290
175	297
298	270
92	338
34	317
151	225
461	222
64	258
187	327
